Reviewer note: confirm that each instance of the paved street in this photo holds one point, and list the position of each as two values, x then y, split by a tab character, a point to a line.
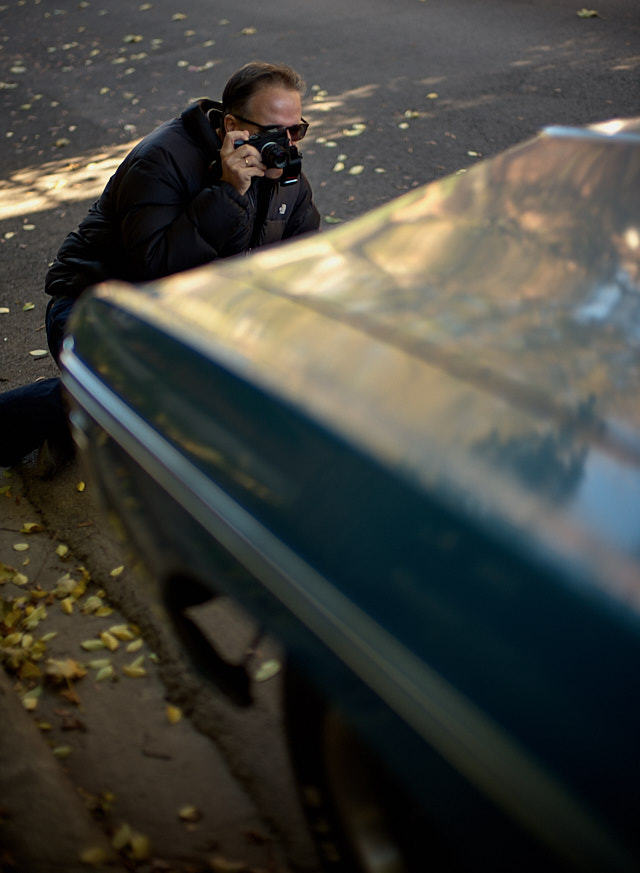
400	92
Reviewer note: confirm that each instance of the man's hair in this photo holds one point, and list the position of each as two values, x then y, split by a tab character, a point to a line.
251	78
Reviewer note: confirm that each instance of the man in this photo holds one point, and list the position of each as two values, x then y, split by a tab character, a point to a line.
190	192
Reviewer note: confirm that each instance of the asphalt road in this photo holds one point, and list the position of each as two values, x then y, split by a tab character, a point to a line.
400	92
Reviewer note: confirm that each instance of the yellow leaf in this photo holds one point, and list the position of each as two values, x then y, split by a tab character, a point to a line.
103	673
189	813
99	663
20	547
117	571
28	306
94	855
92	645
174	714
135	645
122	632
109	640
67	605
12	639
140	846
31	527
62	669
134	672
356	170
62	751
28	671
62	550
91	604
30	698
38	353
80	486
121	837
267	670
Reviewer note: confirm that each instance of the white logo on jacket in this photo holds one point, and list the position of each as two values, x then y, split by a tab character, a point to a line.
282	209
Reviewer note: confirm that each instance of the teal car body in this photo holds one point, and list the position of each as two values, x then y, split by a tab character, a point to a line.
418	435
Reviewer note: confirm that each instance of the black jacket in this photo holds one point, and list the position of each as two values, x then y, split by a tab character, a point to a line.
165	210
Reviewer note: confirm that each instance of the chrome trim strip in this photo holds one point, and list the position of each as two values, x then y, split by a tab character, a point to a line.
583	133
459	731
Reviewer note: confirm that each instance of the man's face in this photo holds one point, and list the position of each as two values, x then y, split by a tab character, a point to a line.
271	106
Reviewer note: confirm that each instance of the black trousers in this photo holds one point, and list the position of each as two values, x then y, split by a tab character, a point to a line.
35	413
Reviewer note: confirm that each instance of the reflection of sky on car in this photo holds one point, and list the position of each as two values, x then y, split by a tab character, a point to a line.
607	483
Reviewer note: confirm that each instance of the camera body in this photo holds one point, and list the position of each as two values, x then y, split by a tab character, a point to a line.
276	153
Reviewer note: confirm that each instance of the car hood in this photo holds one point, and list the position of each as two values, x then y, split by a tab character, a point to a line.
481	335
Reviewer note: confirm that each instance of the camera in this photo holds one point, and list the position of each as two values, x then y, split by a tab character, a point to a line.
276	153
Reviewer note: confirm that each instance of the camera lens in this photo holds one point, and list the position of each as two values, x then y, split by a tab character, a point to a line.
273	155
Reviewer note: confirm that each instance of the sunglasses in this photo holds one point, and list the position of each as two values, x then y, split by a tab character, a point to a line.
296	131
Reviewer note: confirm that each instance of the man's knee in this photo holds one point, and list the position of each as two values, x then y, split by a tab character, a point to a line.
58	312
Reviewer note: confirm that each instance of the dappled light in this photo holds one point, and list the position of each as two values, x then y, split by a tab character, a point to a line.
45	186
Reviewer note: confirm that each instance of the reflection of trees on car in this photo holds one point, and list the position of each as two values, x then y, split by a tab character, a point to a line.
551	464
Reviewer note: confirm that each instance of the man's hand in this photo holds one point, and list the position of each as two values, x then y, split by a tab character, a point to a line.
239	165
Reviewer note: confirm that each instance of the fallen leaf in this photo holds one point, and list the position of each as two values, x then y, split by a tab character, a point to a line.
28	306
20	547
91	604
94	856
63	669
117	571
189	813
587	13
105	672
62	550
30	698
140	846
109	640
62	751
174	714
356	170
92	645
134	672
99	663
31	527
80	486
267	670
121	837
122	632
